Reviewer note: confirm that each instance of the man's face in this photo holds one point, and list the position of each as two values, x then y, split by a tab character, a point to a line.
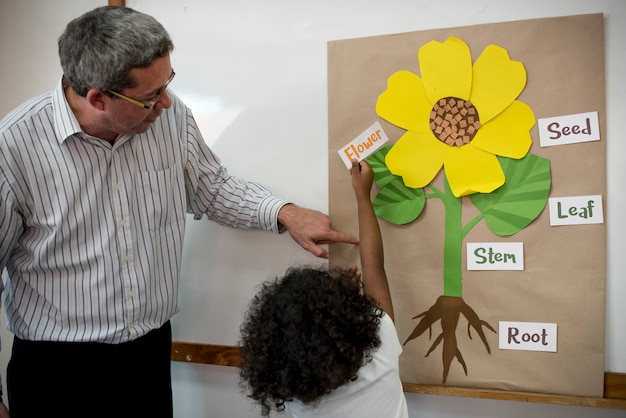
126	116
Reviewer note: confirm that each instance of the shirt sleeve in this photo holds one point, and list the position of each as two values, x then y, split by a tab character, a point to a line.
226	199
10	217
9	229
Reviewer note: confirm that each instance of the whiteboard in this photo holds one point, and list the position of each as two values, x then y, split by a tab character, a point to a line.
254	73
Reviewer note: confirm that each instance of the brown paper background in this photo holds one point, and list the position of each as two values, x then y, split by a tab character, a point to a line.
565	267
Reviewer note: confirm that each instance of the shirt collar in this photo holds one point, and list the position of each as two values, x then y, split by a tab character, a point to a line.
65	123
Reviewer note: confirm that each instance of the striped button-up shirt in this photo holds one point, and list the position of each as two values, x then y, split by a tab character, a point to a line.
92	233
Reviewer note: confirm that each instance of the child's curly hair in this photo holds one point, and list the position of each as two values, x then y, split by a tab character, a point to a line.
306	334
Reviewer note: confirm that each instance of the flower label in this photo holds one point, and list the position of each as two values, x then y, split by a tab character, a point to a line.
570	129
529	336
495	256
576	210
363	145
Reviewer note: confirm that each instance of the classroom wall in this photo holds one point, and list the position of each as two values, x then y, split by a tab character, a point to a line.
254	74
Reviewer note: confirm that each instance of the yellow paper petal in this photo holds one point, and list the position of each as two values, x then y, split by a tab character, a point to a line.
470	170
404	103
497	82
446	69
417	158
508	134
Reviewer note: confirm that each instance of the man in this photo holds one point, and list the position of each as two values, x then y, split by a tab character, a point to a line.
95	180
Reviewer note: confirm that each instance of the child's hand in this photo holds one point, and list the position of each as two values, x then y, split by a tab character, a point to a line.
362	178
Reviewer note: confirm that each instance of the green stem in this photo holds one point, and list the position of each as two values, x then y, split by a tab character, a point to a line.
468	226
453	244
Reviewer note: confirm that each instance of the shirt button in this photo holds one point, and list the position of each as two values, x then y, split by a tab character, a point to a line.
118	186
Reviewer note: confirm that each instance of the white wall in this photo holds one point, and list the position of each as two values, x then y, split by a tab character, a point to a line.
255	75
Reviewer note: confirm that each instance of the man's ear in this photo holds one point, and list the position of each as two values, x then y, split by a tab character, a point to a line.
96	98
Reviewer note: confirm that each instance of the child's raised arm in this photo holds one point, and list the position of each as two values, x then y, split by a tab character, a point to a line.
371	243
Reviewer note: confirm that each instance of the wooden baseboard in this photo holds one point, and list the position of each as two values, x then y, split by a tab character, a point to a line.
614	383
221	355
502	395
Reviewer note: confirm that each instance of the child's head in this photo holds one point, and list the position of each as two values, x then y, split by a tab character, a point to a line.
306	334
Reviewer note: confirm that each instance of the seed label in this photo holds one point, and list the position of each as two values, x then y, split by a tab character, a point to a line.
569	129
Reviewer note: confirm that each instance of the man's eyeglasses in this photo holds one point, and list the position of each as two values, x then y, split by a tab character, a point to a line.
148	103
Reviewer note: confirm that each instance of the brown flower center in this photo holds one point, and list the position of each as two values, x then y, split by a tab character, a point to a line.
454	121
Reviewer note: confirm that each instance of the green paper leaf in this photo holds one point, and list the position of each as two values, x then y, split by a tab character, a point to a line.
521	199
397	203
382	175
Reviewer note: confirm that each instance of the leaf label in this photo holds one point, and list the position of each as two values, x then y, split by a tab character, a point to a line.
569	129
528	336
363	145
576	210
495	256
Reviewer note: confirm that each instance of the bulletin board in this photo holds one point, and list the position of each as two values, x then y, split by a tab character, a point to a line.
562	280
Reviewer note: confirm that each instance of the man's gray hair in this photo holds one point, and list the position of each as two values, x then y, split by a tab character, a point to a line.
99	48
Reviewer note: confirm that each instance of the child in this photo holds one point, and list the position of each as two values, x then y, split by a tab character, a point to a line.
320	342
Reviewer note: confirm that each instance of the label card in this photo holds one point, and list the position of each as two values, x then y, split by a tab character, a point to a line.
495	256
528	336
570	129
363	145
576	210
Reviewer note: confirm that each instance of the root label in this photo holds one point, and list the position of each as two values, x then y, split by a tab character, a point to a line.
529	336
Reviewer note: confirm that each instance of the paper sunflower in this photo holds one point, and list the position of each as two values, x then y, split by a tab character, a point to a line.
457	115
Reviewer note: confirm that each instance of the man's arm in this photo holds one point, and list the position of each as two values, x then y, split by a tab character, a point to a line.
371	244
310	229
208	182
4	412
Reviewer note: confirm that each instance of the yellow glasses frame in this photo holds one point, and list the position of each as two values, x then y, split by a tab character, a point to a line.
150	102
